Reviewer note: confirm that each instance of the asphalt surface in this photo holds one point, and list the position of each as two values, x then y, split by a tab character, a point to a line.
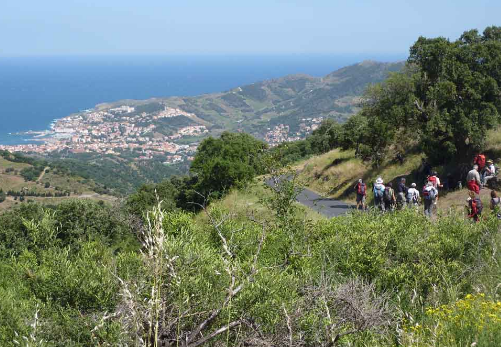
326	206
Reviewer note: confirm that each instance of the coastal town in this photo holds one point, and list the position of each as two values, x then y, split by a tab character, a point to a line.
125	131
116	131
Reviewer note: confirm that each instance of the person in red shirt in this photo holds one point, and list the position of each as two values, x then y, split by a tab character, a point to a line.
361	190
473	180
479	159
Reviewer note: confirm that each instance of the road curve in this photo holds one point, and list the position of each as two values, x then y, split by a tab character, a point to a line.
326	206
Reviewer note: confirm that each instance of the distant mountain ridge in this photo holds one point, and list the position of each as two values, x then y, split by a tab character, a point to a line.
256	107
288	99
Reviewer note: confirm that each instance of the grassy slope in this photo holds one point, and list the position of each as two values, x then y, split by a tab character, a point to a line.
247	202
335	173
13	181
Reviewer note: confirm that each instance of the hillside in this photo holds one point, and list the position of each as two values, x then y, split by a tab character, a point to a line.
290	101
28	182
335	173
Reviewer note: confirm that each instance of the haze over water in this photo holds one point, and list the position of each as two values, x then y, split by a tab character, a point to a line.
35	91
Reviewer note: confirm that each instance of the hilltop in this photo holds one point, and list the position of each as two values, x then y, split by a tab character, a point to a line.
25	180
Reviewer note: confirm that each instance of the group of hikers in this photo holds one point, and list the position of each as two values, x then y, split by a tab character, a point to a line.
387	199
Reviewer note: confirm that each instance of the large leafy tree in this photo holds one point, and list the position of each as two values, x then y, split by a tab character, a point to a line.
445	100
230	160
458	92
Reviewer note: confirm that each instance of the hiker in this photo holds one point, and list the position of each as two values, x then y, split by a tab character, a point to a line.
379	193
401	194
413	196
489	172
473	180
433	178
475	206
495	204
361	189
389	197
429	195
479	159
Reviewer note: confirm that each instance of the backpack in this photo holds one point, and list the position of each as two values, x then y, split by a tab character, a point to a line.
480	206
433	180
412	197
378	193
388	194
429	194
361	189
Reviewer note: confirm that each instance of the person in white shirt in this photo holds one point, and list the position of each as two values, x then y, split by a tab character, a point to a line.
379	194
429	196
413	196
489	172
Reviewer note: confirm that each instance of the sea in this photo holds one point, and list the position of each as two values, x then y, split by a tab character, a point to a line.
34	91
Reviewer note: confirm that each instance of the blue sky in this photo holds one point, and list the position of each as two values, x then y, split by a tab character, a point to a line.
160	27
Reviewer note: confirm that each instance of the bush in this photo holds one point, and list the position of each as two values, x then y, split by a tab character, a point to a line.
474	320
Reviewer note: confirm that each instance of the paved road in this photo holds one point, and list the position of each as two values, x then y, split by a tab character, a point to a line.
326	206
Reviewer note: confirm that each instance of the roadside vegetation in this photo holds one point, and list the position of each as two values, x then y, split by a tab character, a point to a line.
84	273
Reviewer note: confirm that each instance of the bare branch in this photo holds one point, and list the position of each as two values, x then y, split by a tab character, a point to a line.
215	333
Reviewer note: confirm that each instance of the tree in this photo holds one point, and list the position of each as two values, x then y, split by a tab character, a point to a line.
149	195
445	101
231	160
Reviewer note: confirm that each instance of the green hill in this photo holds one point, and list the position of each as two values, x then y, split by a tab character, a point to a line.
24	179
287	100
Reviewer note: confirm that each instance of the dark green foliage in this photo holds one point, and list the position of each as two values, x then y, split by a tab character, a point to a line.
62	262
150	195
31	173
328	136
118	175
445	101
71	221
2	196
231	160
